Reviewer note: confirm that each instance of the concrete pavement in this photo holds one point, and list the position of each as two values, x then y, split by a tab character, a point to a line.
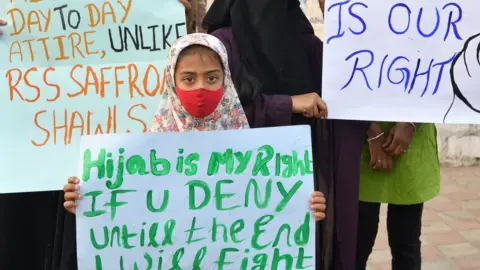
451	226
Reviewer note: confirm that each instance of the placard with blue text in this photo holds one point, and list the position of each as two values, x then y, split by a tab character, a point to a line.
72	68
403	61
197	200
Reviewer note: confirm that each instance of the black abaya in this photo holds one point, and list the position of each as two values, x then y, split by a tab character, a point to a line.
36	232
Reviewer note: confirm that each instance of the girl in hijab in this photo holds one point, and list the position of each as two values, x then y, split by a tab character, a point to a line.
276	62
200	96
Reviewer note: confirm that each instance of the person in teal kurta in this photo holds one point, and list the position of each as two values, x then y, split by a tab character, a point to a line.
400	167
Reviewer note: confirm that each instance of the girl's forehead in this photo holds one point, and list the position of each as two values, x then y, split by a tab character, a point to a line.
198	53
199	58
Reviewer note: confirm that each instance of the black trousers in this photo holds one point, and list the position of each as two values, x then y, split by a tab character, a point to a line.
404	224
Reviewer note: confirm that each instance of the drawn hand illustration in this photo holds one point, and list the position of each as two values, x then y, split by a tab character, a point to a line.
465	75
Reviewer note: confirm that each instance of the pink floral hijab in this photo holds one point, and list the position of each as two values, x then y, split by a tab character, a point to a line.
172	117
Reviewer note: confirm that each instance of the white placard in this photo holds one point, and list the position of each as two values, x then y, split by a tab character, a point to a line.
412	60
197	200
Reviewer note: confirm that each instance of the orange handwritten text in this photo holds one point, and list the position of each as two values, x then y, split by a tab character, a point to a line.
105	13
32	21
33	84
60	127
64	47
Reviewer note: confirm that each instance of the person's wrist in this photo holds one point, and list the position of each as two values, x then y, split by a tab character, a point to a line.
294	109
375	138
374	130
412	125
408	126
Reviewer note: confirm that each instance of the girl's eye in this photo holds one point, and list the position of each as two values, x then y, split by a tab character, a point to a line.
188	80
212	79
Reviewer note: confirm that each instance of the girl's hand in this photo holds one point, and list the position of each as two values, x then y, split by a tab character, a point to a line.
310	105
71	194
2	23
317	204
379	160
399	139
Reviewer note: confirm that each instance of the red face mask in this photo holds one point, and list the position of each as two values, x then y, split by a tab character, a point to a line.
200	102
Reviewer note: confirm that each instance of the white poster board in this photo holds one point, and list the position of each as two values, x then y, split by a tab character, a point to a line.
411	60
72	68
198	200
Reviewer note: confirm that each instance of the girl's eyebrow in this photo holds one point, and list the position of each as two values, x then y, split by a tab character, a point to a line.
187	72
214	70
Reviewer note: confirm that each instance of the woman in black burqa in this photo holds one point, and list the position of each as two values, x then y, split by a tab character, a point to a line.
271	72
276	59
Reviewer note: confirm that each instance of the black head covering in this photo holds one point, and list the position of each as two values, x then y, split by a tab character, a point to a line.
268	34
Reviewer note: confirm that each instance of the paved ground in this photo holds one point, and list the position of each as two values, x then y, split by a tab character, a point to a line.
451	226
